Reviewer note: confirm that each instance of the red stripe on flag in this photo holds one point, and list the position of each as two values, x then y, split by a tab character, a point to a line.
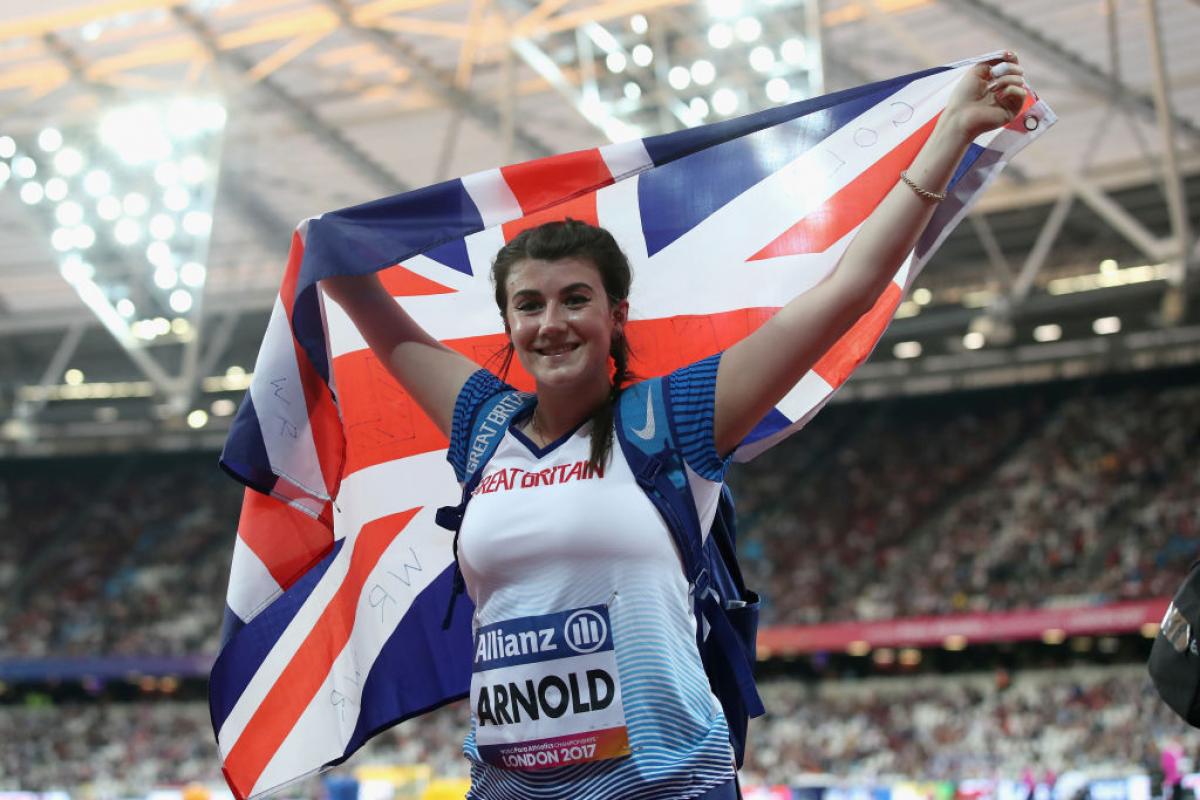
402	282
384	424
286	540
847	209
538	183
300	680
582	208
856	344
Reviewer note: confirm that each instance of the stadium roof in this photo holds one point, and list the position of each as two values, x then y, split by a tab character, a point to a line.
329	103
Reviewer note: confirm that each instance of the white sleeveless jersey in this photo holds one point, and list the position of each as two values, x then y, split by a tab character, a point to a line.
546	533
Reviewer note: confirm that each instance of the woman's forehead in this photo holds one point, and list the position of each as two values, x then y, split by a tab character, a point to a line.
537	274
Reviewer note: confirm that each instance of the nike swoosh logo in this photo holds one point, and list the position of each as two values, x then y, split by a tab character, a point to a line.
647	432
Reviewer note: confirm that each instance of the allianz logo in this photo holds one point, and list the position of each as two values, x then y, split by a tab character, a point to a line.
584	632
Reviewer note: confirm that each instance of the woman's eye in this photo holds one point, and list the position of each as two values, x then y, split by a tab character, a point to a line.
576	300
528	306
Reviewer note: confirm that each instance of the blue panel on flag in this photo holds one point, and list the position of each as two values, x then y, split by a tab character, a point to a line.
241	657
442	673
675	197
968	161
454	255
245	455
772	423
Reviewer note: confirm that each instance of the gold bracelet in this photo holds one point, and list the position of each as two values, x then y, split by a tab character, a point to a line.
936	197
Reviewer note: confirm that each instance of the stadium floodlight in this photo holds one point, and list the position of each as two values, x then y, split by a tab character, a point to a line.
24	167
906	349
197	223
615	61
1047	333
748	29
922	296
720	35
192	274
699	107
176	198
193	169
127	231
75	269
5	172
97	183
197	419
794	51
639	24
181	301
108	208
180	326
974	340
126	308
32	193
223	407
642	55
703	72
725	101
50	139
8	147
62	239
73	377
165	276
136	134
633	90
778	90
762	58
162	226
159	253
84	236
1106	325
68	161
679	78
56	189
67	213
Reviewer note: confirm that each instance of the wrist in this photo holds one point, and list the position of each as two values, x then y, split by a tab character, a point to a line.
951	132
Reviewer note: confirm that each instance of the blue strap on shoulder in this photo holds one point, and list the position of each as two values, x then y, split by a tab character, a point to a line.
492	419
645	432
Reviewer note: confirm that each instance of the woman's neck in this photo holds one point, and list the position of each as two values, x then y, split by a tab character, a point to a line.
562	409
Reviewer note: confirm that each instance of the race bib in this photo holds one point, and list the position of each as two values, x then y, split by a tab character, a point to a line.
545	691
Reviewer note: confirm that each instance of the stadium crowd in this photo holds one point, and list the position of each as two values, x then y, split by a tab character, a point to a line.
1015	498
910	507
929	728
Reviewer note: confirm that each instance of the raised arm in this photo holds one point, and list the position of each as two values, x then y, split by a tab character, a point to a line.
758	371
428	370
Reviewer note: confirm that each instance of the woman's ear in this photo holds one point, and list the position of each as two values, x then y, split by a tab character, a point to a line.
620	314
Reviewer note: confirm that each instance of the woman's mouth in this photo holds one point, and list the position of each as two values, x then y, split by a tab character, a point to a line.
557	350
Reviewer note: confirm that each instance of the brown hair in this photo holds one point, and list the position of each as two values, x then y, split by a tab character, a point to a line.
571	237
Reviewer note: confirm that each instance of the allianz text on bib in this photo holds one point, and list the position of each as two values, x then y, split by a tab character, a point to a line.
545	691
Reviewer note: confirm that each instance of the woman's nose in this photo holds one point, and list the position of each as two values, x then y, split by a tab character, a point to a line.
553	317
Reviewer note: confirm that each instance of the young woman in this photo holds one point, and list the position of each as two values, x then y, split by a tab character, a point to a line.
590	544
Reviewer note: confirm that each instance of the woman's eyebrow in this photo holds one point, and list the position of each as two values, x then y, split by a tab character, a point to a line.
574	287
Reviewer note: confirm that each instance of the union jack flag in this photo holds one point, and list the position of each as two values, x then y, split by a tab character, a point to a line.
340	577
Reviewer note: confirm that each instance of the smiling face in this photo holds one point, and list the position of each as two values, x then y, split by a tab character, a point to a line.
561	321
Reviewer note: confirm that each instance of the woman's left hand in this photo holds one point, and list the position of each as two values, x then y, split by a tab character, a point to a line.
989	96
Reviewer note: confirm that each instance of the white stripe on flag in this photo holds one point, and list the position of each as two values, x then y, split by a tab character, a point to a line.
251	586
282	410
493	197
625	158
